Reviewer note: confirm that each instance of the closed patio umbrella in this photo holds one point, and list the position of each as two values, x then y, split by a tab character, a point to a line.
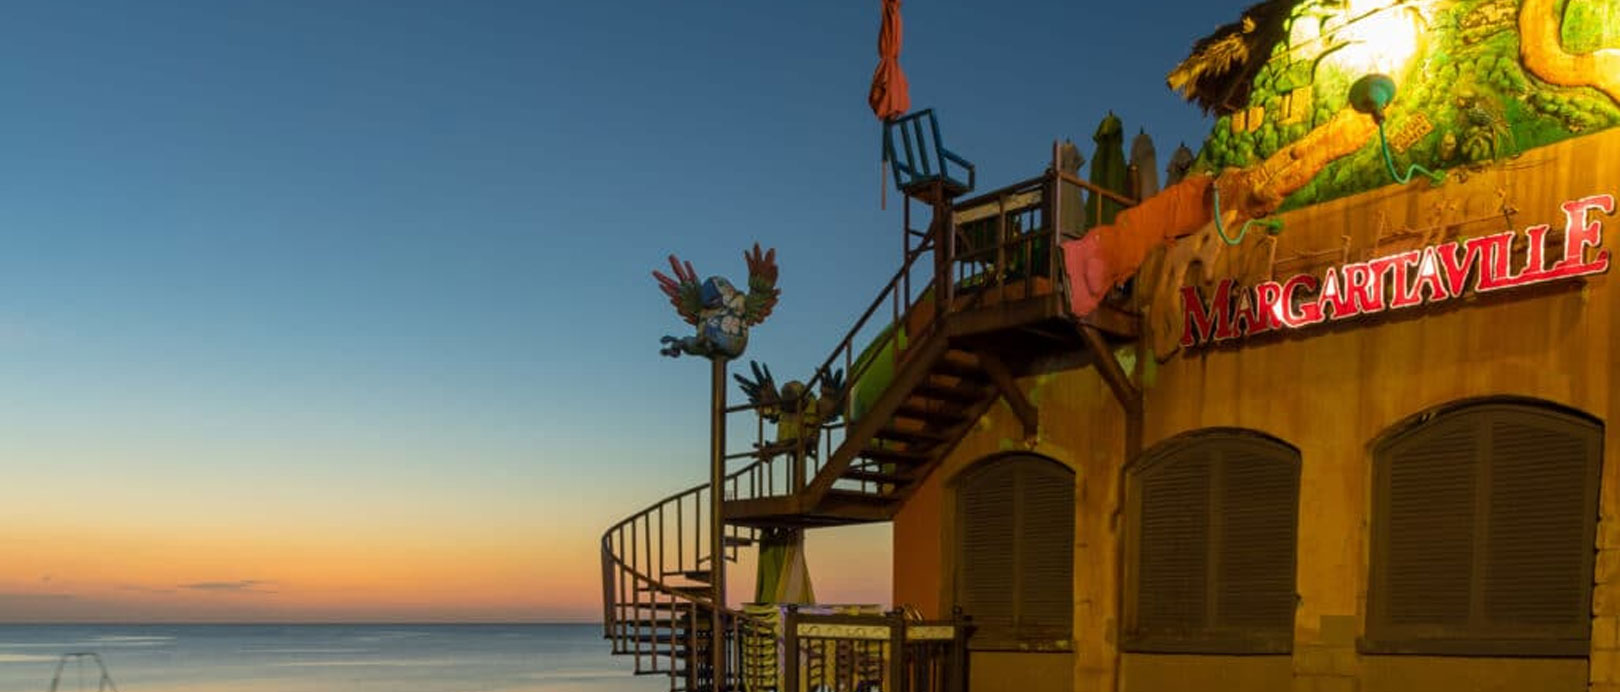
783	577
1107	171
889	96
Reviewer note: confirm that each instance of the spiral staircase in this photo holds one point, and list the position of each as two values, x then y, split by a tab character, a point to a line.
996	298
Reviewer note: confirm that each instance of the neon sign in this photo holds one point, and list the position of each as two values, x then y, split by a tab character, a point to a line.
1433	274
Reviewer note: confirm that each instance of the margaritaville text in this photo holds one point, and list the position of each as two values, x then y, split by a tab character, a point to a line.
1408	279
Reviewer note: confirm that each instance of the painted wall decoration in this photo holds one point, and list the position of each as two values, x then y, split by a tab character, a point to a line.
1480	88
1477	81
721	313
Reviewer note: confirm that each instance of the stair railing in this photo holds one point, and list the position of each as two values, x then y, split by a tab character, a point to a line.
654	567
784	470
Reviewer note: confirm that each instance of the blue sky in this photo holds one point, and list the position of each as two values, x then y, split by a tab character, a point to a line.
382	267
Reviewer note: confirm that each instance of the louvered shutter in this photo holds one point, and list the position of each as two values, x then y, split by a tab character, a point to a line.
987	527
1257	503
1484	533
1045	551
1430	527
1173	546
1541	499
1214	533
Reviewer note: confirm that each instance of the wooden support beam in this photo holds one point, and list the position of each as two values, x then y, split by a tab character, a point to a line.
1112	373
1002	377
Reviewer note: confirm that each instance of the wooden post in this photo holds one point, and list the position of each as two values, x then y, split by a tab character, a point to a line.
957	677
607	596
790	648
944	248
897	651
717	522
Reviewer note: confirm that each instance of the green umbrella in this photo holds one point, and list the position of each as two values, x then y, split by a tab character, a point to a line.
783	576
1107	171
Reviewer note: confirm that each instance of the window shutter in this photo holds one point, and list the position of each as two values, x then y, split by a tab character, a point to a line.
1484	533
1213	531
1046	551
1173	546
1430	527
987	529
1256	510
1537	547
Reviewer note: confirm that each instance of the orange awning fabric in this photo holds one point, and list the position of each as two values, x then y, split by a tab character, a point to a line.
890	97
1108	255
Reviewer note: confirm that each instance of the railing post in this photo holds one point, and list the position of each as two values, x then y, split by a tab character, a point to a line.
1055	221
1001	244
790	646
957	678
944	250
607	594
897	652
798	446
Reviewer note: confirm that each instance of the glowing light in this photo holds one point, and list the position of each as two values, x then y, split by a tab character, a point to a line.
1380	37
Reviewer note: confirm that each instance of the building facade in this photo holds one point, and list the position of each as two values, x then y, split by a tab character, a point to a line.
1402	499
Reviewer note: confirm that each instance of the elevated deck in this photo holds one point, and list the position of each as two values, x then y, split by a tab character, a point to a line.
997	302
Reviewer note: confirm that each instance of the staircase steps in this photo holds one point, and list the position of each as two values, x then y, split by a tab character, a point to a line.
679	639
836	495
688	589
897	456
930	415
868	476
910	436
702	575
963	365
941	391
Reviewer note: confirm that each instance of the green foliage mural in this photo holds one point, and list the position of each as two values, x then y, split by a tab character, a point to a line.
1464	95
1590	26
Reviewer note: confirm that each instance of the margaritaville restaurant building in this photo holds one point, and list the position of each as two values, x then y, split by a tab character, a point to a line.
1362	444
1329	412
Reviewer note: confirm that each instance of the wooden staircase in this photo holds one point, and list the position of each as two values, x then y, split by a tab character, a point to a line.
990	303
937	394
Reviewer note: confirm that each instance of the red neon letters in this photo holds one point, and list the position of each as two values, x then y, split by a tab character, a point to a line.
1403	280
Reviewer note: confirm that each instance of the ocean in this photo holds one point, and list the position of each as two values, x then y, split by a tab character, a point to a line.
321	658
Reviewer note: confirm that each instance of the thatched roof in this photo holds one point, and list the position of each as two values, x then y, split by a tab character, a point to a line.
1220	71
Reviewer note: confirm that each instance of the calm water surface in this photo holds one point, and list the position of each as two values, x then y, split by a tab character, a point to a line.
322	658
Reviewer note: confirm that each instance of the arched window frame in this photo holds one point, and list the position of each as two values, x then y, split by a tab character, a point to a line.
1213	631
1483	635
1041	602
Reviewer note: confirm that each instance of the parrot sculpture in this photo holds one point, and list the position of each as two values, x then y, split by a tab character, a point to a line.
797	412
721	313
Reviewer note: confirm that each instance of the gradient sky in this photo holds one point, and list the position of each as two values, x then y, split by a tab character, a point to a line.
340	310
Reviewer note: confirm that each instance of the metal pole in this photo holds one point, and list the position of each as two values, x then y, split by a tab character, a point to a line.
717	523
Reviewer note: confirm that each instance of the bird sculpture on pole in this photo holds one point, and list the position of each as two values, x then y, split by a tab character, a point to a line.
721	313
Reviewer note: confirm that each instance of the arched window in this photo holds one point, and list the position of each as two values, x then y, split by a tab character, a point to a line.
1015	552
1211	546
1483	532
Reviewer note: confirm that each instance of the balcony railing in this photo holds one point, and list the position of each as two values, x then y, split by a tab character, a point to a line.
822	650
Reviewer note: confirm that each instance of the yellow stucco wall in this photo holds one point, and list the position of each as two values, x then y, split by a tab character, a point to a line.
995	671
1160	673
1329	391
